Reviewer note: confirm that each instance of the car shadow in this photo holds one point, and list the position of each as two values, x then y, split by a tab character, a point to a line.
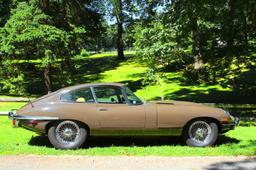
222	139
130	141
249	163
40	141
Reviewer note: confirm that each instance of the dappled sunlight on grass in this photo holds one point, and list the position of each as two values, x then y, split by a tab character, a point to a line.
126	72
110	54
105	67
241	141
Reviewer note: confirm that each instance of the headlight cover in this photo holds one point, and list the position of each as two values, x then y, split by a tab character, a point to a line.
228	114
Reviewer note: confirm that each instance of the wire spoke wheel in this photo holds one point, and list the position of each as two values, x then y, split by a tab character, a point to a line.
200	132
67	132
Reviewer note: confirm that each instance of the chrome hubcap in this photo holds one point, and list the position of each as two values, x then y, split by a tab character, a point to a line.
67	132
200	132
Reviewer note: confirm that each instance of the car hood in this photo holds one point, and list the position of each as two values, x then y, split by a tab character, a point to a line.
197	107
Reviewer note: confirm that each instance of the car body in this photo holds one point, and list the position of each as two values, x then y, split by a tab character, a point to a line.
69	115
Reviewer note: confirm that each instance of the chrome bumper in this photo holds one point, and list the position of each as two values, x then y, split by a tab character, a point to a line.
17	119
13	115
231	125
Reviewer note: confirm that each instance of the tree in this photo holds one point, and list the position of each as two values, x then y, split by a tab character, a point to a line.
29	34
218	35
157	47
5	7
118	13
68	14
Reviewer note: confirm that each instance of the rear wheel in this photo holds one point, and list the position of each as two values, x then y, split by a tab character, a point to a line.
67	135
200	133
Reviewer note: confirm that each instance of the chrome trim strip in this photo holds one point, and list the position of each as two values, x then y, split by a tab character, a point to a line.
42	118
3	113
12	116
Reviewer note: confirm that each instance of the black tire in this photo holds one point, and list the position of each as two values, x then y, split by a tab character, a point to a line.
61	137
192	138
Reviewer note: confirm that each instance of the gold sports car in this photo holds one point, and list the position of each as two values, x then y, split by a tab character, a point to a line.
69	115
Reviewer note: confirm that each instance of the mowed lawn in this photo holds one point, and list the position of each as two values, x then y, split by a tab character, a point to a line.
131	73
15	141
105	68
241	141
7	106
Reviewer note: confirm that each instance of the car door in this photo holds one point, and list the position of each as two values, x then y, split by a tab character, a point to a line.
79	105
114	112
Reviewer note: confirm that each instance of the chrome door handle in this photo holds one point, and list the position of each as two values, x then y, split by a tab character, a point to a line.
102	109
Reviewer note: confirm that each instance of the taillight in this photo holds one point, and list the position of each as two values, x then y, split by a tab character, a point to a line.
15	123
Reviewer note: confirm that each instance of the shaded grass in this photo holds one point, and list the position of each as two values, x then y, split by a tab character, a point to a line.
13	141
105	67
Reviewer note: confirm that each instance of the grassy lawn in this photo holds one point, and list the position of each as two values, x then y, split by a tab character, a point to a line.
104	67
110	54
7	106
130	73
13	141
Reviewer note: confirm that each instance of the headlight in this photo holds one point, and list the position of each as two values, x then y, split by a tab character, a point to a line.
228	114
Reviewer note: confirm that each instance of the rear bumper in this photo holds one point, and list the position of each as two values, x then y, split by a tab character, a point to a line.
32	123
230	125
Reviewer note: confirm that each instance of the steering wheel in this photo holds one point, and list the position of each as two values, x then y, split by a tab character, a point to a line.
113	100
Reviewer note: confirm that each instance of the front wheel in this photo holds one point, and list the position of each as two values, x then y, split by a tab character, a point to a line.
200	133
67	135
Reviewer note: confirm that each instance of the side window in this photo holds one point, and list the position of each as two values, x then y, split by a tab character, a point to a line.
132	97
79	96
108	94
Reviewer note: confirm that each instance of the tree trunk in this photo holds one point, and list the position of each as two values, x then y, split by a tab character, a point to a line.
244	13
120	45
47	78
196	47
230	32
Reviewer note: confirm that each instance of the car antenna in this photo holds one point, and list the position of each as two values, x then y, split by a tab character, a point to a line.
30	102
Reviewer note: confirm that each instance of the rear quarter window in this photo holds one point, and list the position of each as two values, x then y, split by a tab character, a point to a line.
83	95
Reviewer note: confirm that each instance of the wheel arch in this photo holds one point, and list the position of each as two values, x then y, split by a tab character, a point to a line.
48	125
203	118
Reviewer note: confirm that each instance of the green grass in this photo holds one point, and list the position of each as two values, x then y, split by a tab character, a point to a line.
6	96
105	67
110	54
132	74
7	106
16	141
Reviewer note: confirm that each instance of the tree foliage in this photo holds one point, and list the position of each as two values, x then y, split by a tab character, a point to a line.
218	35
209	41
30	34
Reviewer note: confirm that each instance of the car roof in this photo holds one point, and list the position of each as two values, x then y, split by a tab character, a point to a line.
91	84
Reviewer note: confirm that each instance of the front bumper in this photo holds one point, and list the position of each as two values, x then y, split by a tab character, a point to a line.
230	125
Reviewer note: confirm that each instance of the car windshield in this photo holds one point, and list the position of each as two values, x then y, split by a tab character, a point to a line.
133	99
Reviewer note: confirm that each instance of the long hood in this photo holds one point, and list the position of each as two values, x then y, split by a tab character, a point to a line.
186	109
